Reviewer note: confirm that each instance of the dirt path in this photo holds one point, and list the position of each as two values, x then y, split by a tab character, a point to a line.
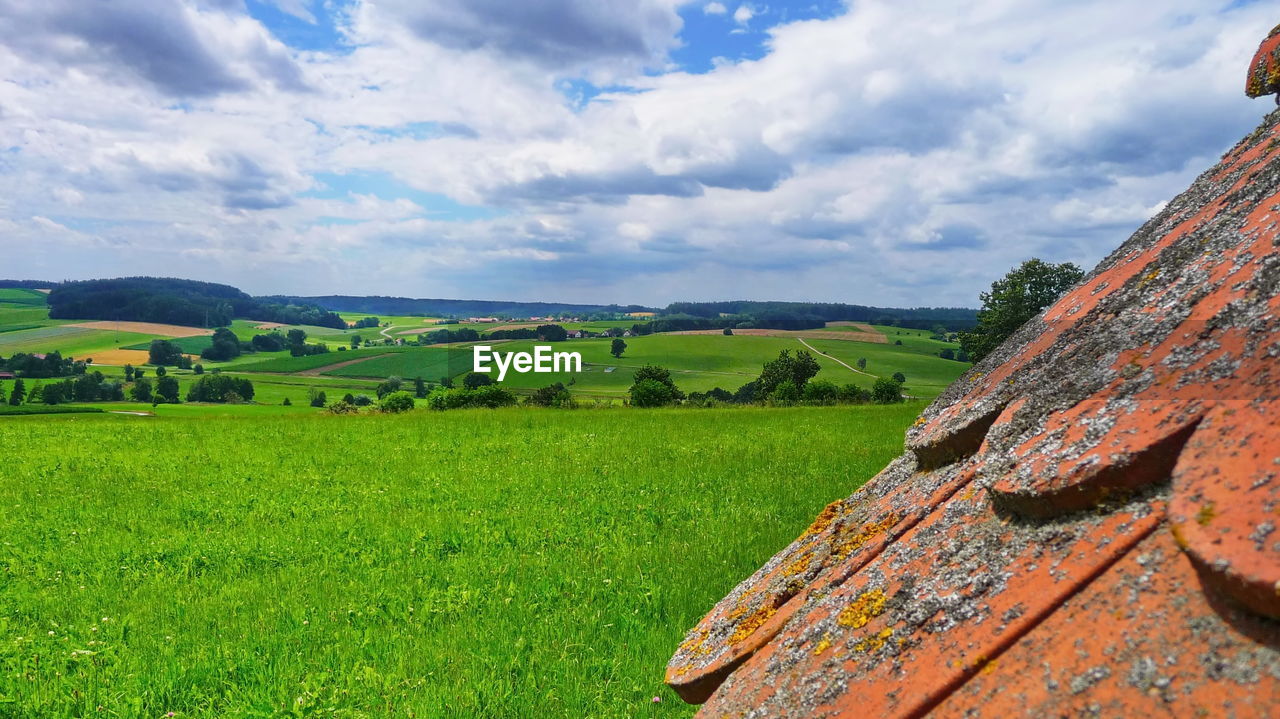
833	359
852	369
317	371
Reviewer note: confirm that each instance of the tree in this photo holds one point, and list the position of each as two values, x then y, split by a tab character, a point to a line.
220	388
728	331
161	371
886	391
617	347
797	369
1014	299
853	394
390	385
19	393
651	393
128	373
167	390
899	378
349	399
419	388
476	380
287	402
947	354
141	390
552	333
821	391
199	369
446	382
396	402
317	397
355	341
52	394
225	347
786	392
862	363
273	342
660	375
555	395
163	352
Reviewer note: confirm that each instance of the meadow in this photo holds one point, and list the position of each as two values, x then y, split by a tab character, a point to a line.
511	563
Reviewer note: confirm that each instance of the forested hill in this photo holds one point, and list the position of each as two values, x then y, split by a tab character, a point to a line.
175	301
919	317
452	308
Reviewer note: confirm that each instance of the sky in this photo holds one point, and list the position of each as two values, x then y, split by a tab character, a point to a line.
630	151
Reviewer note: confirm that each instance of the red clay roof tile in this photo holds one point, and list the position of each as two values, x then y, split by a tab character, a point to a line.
1019	558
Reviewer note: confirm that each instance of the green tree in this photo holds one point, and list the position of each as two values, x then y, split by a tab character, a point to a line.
786	392
886	391
167	390
317	397
552	333
728	331
163	352
396	402
419	388
389	386
128	373
617	347
862	363
555	395
141	390
476	380
1014	299
161	371
797	369
19	392
199	369
225	347
899	378
651	393
661	375
821	391
355	341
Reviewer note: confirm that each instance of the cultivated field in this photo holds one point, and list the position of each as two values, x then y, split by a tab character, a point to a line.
517	563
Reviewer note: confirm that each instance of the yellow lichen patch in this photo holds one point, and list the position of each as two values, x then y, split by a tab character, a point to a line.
1178	539
752	623
1147	278
1206	514
824	520
696	644
871	644
919	421
850	543
737	612
799	566
866	607
823	644
988	667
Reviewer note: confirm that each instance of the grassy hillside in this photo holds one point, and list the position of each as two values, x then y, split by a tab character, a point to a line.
477	564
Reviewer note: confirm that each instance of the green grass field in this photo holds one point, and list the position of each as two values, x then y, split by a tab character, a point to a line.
517	563
75	342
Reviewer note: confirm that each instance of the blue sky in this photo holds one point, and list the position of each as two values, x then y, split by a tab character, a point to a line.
605	150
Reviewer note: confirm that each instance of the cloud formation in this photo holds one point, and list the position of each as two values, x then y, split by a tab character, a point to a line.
883	154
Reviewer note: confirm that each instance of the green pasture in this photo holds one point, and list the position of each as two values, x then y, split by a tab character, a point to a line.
77	342
509	564
19	296
927	374
189	345
430	363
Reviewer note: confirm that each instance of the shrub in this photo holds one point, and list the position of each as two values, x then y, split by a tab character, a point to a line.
475	380
317	397
786	392
899	378
651	393
821	392
395	403
490	397
342	408
886	391
552	396
853	394
362	400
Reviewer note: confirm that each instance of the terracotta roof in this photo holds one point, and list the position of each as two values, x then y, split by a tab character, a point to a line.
1085	523
1264	71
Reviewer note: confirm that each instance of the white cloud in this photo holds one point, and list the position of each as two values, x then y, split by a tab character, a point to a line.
937	144
743	14
714	8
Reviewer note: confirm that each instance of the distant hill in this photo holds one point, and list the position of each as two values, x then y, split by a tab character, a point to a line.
174	301
953	318
451	308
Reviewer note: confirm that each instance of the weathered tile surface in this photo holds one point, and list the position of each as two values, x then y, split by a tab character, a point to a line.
1083	524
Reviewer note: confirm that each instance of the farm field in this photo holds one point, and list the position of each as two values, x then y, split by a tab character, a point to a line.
511	563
